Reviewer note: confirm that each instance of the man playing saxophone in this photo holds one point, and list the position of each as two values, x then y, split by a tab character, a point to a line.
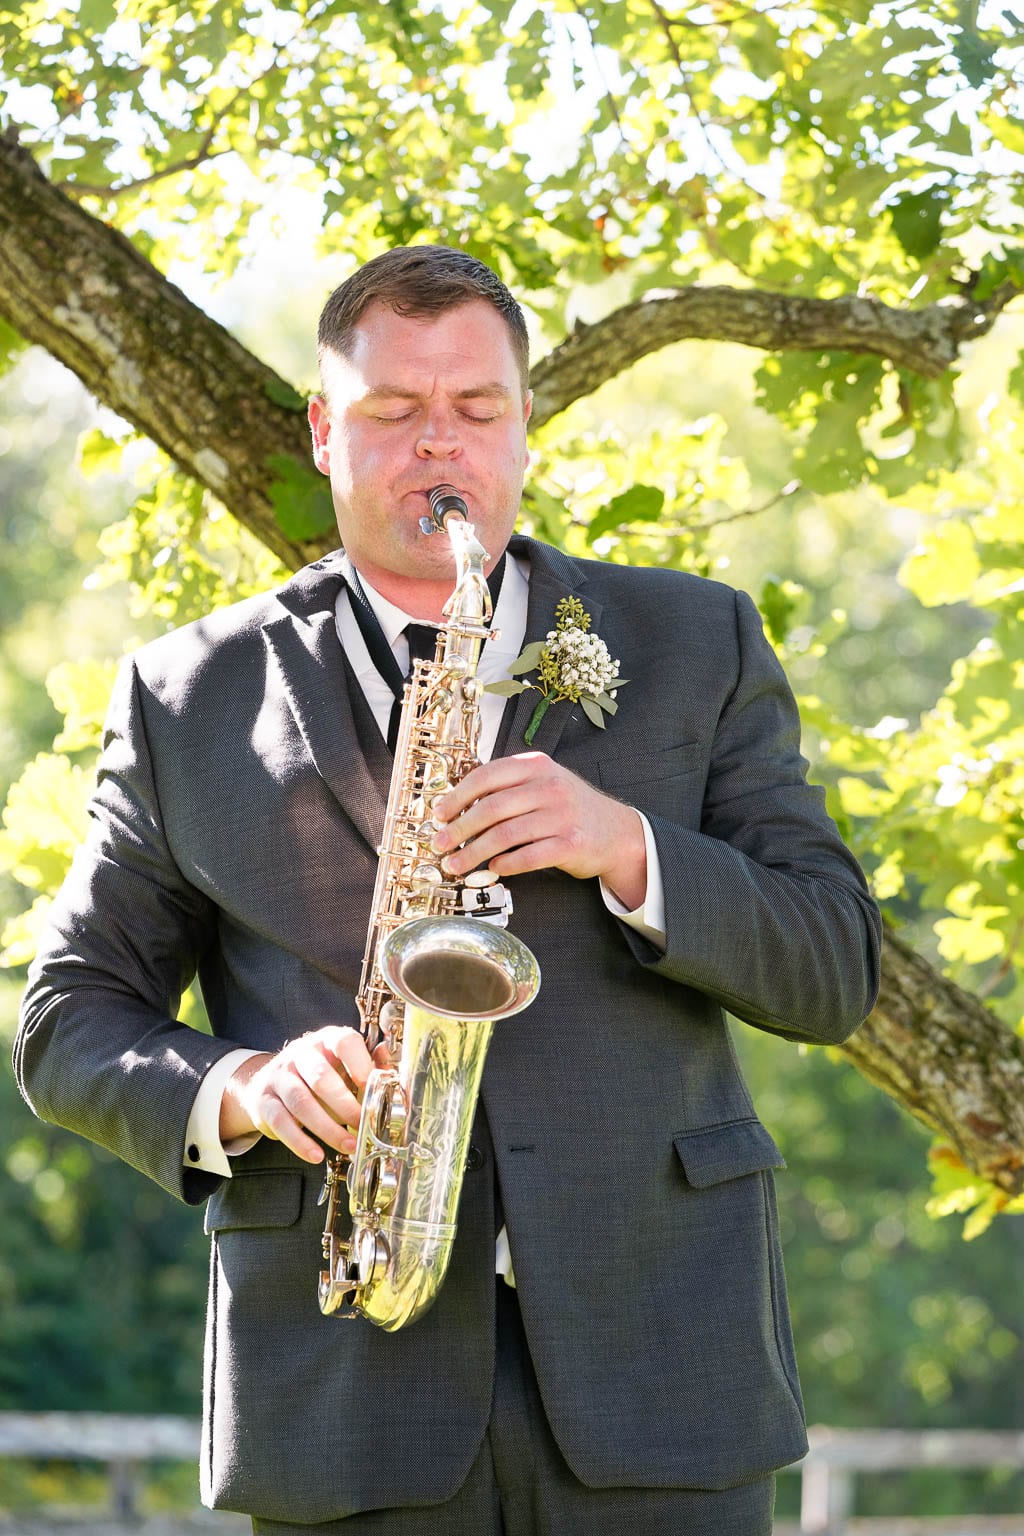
611	1343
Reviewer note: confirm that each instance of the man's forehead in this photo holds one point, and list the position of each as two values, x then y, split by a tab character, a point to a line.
469	337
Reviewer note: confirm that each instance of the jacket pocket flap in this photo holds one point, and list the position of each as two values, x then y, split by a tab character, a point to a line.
721	1152
270	1198
669	764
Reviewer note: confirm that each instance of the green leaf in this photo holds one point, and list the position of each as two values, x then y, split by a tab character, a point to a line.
301	497
956	1190
592	710
506	687
974	54
528	658
97	15
20	937
81	690
1008	130
970	939
98	454
44	821
917	220
778	601
282	393
640	504
11	345
1015	380
858	798
945	566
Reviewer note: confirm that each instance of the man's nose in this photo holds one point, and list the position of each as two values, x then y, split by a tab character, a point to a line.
439	438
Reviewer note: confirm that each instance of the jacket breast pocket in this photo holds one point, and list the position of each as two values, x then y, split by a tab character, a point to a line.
268	1197
669	783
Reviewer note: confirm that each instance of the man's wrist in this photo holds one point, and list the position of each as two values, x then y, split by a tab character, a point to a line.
626	880
235	1119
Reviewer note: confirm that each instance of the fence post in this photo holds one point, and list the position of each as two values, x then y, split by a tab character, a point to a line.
826	1497
123	1475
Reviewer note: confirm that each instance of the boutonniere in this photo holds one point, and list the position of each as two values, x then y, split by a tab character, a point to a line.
571	664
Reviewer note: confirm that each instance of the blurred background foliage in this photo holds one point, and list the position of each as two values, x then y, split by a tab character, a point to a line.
591	153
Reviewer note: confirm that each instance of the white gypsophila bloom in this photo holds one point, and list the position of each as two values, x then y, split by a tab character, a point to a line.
584	665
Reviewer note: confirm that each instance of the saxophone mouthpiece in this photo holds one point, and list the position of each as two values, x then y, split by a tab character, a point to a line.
445	502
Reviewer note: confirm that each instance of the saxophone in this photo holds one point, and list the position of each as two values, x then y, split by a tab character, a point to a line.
437	973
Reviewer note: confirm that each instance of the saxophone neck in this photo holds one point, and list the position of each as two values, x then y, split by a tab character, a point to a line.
470	602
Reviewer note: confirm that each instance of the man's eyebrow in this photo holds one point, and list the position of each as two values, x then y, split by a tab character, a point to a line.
493	391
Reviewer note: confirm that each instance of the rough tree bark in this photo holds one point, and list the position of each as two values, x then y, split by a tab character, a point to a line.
940	1053
80	289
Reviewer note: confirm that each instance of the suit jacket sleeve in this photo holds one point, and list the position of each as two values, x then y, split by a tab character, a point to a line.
99	1049
766	909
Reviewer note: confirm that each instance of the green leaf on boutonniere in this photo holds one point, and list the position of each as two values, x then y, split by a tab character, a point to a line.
528	658
607	703
592	710
506	687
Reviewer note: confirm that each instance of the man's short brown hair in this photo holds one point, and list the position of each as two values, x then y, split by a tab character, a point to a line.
420	281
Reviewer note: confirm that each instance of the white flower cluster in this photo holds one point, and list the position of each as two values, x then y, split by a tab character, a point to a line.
582	661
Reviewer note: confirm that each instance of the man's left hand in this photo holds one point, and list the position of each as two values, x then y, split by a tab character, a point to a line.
527	812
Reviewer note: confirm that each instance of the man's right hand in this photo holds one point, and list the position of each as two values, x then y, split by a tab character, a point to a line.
313	1084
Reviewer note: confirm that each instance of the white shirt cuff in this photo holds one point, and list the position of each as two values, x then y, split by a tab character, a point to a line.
203	1146
649	917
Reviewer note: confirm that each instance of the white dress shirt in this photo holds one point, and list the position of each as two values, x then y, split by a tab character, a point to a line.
203	1146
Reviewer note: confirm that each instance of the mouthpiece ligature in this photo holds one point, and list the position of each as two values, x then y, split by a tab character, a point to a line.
445	502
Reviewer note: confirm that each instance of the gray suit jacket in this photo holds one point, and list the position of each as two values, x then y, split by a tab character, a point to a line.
240	800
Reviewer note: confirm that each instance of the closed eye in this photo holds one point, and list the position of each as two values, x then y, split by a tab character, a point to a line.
480	418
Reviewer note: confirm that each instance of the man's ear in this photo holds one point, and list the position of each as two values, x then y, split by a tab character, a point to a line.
528	405
320	426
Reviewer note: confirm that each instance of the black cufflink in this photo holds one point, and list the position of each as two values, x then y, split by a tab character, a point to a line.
193	1152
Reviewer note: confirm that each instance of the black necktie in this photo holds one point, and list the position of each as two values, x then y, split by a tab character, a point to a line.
422	640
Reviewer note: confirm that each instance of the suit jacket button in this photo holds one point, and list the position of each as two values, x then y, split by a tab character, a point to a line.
474	1160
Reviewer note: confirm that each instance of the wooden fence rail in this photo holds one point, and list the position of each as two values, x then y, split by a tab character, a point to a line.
126	1442
828	1470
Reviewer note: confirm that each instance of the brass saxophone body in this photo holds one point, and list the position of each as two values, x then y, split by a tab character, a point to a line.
435	978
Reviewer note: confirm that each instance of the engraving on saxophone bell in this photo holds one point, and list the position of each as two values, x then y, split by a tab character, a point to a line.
439	970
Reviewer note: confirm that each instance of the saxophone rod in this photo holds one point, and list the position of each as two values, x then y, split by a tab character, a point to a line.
445	502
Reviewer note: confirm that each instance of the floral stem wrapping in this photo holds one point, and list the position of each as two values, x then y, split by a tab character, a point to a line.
571	664
537	717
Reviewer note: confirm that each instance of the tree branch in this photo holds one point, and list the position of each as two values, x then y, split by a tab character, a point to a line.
76	189
926	341
941	1054
82	290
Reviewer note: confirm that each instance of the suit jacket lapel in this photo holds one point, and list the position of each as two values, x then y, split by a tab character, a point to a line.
306	655
305	652
553	575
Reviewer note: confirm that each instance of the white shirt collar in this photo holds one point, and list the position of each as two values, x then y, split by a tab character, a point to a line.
509	621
